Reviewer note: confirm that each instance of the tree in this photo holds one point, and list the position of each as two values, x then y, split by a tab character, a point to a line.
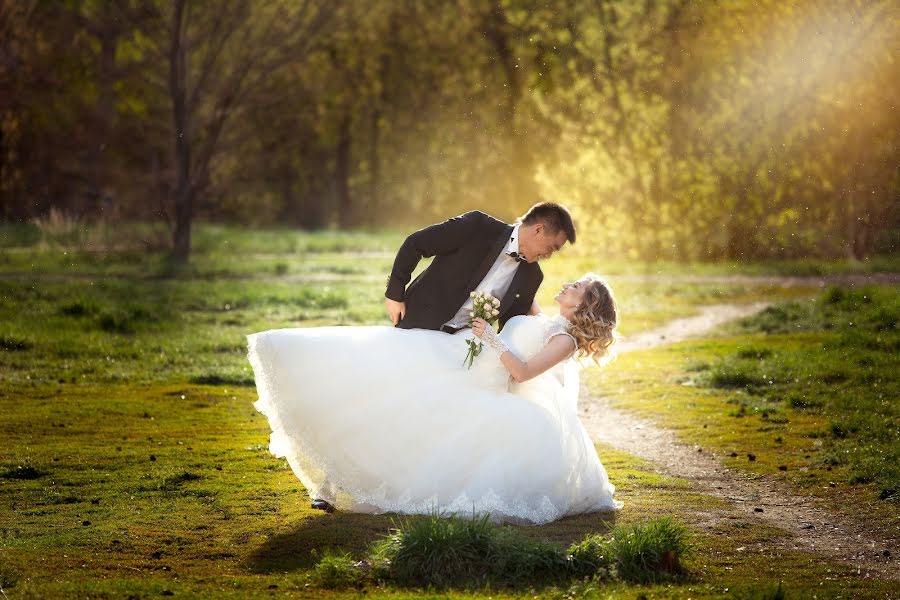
219	55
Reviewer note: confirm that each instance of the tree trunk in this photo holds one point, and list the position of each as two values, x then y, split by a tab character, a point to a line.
342	174
522	189
178	90
374	207
106	108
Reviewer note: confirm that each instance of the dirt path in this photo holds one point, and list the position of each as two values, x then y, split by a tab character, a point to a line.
679	330
845	279
807	524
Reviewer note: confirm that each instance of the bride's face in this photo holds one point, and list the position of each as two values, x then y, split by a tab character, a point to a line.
572	294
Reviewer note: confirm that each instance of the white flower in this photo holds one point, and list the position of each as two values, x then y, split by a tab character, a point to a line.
495	312
472	295
496	302
472	313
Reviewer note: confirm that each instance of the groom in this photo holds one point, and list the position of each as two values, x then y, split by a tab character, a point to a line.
474	252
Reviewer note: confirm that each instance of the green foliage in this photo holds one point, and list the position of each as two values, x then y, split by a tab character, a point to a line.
674	130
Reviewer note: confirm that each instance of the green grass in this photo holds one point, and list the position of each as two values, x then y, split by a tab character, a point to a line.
846	375
76	316
141	489
214	244
133	462
805	392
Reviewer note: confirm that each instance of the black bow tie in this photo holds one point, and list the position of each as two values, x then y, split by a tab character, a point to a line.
516	256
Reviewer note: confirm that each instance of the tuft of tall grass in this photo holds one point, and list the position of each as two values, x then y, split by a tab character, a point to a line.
457	552
453	552
648	552
589	556
337	570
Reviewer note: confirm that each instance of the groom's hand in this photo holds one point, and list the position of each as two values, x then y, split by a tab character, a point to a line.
396	310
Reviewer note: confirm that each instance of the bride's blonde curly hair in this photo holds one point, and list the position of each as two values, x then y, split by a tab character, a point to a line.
595	320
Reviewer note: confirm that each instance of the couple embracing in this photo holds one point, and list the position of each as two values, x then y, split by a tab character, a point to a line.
389	419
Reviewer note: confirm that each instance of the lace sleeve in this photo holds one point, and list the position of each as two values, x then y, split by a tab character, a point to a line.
493	340
557	328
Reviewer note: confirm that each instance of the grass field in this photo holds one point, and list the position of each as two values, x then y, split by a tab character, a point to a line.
133	463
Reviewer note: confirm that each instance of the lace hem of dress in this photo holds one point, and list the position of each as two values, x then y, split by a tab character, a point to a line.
339	490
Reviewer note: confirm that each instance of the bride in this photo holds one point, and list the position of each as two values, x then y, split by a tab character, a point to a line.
379	419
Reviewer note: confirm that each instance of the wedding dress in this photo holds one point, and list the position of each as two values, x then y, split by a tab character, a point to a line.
378	419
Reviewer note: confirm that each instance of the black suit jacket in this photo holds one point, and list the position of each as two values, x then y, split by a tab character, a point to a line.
464	249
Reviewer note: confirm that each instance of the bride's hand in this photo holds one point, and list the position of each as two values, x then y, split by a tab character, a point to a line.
478	326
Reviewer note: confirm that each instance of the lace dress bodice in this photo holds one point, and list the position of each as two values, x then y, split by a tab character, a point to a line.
526	335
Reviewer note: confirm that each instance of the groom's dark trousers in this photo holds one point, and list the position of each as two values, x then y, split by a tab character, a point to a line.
464	249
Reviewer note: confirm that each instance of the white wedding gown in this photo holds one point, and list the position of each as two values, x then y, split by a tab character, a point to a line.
379	419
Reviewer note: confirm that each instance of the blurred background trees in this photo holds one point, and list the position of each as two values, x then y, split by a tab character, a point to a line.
672	128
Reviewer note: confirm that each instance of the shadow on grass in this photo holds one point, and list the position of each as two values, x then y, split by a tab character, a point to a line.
301	548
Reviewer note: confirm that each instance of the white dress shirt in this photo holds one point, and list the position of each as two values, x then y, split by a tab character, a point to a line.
495	283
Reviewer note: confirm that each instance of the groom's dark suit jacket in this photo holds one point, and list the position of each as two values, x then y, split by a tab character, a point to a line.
464	249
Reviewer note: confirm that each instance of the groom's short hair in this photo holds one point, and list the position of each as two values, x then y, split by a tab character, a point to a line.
555	217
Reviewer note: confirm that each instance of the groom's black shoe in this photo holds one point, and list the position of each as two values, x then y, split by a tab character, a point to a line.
320	504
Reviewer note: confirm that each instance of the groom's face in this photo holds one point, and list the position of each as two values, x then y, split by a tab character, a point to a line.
537	243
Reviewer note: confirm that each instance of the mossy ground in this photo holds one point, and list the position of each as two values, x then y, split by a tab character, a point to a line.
806	392
133	462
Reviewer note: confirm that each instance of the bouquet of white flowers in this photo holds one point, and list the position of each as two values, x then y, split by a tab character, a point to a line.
486	307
